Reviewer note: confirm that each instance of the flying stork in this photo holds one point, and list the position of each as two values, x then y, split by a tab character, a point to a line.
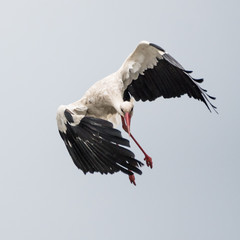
87	125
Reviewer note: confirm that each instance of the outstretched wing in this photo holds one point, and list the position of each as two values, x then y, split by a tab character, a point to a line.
150	72
95	146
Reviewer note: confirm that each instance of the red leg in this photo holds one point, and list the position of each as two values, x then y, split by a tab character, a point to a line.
147	158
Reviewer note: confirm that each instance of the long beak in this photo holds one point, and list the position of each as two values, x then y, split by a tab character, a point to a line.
127	118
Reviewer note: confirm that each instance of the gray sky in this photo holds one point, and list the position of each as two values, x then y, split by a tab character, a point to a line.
51	52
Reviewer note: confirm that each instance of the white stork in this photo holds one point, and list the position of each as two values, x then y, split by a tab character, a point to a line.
86	126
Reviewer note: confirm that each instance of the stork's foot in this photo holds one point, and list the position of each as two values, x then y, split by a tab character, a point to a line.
148	160
132	179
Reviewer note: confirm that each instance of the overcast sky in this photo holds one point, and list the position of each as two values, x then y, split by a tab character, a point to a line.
51	52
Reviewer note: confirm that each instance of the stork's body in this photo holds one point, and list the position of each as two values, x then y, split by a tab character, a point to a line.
86	126
104	97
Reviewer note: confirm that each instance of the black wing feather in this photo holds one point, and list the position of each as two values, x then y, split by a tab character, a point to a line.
95	146
168	79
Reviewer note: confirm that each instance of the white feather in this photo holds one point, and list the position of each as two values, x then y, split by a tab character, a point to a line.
145	56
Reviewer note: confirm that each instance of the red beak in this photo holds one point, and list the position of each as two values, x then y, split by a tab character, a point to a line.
127	118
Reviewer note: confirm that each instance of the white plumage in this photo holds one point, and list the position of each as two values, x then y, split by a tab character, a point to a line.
86	126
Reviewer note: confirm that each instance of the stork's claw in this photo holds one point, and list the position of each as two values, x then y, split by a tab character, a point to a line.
132	179
148	161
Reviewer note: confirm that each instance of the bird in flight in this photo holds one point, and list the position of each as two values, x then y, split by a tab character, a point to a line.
87	125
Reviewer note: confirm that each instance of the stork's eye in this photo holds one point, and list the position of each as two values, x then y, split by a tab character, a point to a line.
132	109
122	110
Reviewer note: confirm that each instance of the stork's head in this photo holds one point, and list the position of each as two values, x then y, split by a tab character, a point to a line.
127	112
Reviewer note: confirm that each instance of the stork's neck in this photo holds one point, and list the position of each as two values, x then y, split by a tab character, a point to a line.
117	102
